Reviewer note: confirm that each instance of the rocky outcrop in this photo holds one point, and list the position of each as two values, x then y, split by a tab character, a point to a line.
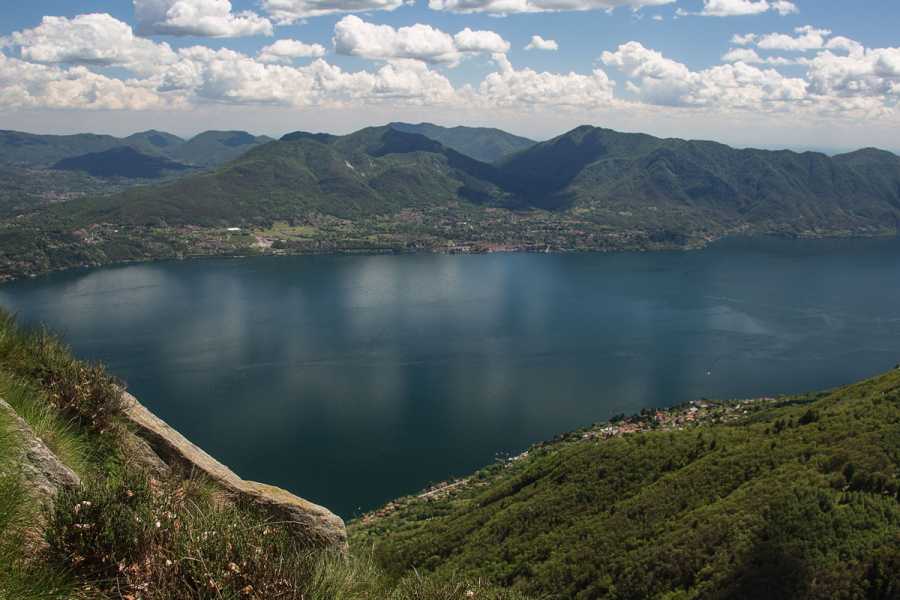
42	472
313	523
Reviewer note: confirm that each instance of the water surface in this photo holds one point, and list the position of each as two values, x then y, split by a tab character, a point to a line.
351	380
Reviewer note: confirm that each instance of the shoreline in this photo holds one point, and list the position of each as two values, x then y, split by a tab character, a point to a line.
462	249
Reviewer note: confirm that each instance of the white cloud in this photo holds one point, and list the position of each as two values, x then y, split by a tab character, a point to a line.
738	8
480	41
869	72
286	50
539	43
747	55
751	57
743	40
528	88
660	80
93	39
205	18
807	38
31	85
290	11
56	65
505	7
355	37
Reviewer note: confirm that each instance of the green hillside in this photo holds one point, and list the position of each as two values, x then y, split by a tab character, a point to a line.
121	162
481	143
789	498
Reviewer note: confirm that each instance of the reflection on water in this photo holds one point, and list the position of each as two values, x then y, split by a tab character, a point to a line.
351	380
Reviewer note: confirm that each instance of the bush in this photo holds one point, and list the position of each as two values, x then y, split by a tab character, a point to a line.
157	541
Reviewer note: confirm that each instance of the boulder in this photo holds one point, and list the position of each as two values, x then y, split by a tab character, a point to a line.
42	472
315	524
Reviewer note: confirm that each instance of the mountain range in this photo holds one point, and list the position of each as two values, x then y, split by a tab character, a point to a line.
599	175
417	187
207	149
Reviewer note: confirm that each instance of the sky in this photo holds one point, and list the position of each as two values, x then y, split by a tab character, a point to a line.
802	74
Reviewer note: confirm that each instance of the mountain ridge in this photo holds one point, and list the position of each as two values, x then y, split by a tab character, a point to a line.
381	189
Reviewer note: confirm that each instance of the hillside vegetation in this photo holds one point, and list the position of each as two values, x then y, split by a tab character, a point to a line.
789	498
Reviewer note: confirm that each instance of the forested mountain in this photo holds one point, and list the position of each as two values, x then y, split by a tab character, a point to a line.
481	143
609	178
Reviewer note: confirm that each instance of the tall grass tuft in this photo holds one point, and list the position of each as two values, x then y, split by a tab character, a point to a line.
83	392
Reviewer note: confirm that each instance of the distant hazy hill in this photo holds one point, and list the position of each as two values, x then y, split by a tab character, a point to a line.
481	143
123	161
207	149
618	180
213	148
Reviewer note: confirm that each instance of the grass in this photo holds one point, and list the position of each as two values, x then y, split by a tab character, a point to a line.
21	578
59	434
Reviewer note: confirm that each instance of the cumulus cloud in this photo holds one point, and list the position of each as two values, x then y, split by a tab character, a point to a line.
660	80
751	57
480	41
738	8
289	11
505	7
355	37
57	65
508	87
93	39
539	43
807	38
866	72
286	50
743	40
32	85
205	18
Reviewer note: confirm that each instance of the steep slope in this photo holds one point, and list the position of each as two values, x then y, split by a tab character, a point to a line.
789	498
485	144
121	162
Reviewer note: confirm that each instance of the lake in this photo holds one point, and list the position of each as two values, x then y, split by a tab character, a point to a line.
351	380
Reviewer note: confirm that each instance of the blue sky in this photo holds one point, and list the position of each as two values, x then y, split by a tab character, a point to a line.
647	65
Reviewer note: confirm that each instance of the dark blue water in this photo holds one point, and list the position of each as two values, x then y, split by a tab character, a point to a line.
352	380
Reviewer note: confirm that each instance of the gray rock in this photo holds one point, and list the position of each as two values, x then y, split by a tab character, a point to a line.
42	472
314	524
